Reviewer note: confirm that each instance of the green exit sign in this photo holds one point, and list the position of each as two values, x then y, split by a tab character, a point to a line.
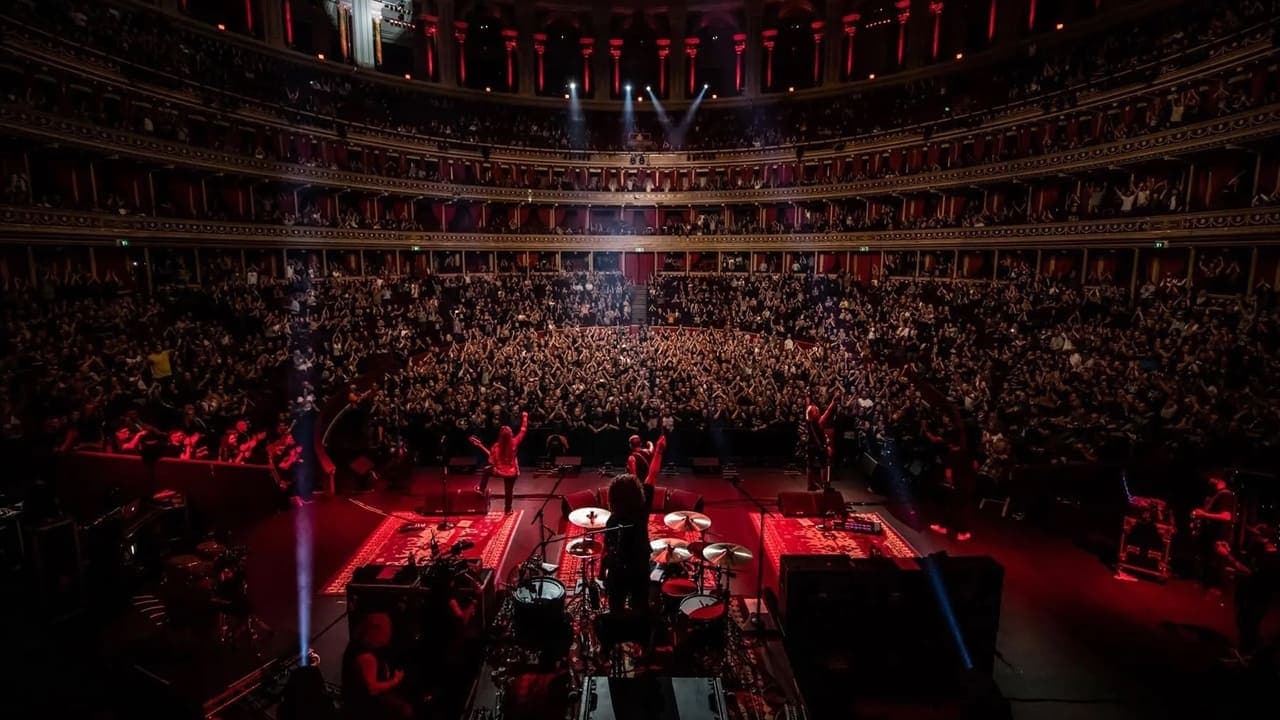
864	248
416	248
122	243
1160	244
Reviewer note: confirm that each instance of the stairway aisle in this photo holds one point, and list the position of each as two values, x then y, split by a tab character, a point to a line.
639	304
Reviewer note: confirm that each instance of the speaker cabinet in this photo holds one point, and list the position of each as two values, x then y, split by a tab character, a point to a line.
876	621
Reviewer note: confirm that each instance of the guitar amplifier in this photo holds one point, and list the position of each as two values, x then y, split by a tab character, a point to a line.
399	591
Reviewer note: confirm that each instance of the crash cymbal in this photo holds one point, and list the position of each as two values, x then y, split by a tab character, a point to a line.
589	518
669	551
585	548
726	555
687	521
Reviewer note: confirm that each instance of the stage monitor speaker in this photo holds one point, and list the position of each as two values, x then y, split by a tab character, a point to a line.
462	464
582	498
810	504
867	467
456	502
681	698
678	500
708	465
797	504
572	464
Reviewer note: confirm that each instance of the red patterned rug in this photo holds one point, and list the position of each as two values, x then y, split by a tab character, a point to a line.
802	536
568	572
492	535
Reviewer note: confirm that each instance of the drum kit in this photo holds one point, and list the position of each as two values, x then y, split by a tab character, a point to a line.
692	575
210	582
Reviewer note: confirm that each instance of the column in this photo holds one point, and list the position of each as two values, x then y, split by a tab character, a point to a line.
816	26
739	47
768	38
615	65
850	33
664	52
935	10
691	55
754	10
678	21
460	39
991	21
430	37
446	55
273	22
1031	15
509	42
588	48
527	58
540	51
904	15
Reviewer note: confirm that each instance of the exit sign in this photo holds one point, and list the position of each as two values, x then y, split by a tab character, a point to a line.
1160	244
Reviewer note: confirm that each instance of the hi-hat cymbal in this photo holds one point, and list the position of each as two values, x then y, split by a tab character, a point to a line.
727	555
585	548
687	520
589	518
669	551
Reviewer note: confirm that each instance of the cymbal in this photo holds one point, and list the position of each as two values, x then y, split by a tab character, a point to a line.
669	551
728	555
687	520
589	518
585	548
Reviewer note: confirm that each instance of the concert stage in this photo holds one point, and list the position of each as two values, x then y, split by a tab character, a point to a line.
1072	639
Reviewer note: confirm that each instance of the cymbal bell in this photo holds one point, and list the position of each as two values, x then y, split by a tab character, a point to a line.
687	521
726	555
589	518
669	551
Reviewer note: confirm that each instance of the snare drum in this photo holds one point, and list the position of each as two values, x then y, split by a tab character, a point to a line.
674	592
538	608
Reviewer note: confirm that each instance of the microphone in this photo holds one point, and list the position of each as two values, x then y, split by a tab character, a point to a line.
461	545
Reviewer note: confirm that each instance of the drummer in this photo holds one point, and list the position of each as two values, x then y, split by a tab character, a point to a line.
626	546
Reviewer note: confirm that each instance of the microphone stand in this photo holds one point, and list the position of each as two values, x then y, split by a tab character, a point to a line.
539	518
444	494
756	617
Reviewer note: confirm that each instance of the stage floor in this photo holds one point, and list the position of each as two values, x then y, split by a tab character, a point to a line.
1074	642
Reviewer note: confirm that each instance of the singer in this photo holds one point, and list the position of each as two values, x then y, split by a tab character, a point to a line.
503	461
626	546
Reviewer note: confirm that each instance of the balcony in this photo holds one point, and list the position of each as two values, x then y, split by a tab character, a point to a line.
1254	226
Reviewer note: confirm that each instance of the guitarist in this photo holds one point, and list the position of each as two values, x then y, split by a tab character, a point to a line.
503	460
1212	523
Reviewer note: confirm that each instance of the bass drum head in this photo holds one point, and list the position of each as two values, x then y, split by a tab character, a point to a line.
539	590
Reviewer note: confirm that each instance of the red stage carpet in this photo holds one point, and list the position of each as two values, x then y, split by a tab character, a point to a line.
801	536
568	572
492	535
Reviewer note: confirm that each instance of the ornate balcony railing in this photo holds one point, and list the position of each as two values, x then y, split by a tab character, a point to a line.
1253	226
1209	134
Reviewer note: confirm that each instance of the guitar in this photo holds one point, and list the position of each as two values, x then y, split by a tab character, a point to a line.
246	448
478	443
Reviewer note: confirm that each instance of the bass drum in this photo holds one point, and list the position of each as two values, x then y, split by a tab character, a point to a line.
537	615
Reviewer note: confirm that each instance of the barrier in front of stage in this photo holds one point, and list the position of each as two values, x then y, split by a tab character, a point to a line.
227	495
